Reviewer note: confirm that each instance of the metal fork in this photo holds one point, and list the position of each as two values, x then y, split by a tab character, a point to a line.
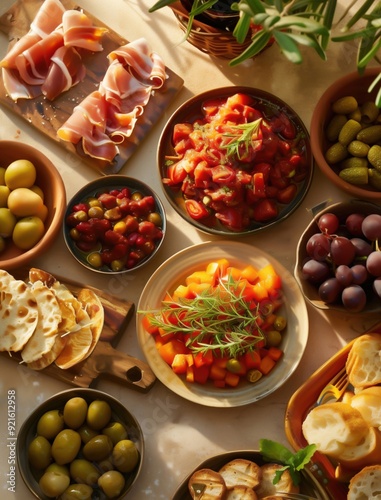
334	389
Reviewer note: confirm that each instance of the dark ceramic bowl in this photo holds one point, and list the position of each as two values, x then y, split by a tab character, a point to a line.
355	85
103	185
309	485
51	183
119	413
190	111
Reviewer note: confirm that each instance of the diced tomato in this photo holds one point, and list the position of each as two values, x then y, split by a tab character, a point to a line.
176	174
148	326
222	174
265	210
201	359
266	365
232	379
182	146
217	372
181	131
201	373
232	218
287	194
259	186
196	209
275	353
202	175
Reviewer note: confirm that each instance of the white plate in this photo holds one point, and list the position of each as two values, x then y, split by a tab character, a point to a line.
173	273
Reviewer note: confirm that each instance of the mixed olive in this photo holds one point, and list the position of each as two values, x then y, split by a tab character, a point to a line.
116	229
82	451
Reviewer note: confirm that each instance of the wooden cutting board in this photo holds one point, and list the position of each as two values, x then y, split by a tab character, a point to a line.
48	117
105	360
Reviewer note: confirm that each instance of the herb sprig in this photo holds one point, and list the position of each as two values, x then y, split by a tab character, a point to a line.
247	134
218	319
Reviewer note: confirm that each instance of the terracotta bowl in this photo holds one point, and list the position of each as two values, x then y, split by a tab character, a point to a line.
310	291
51	183
95	188
355	85
119	413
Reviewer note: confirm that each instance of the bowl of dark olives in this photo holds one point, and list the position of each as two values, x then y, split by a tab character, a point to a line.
80	443
338	258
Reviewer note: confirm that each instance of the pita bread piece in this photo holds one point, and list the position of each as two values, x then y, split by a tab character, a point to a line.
94	308
18	314
43	339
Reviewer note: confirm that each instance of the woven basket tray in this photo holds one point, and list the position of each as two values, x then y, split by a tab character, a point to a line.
213	41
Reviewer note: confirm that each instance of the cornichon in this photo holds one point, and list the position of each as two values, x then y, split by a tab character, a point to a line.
374	157
358	149
345	105
354	162
334	126
336	153
355	175
375	178
370	135
369	112
349	132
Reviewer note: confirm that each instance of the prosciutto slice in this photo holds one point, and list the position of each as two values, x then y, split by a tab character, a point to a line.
88	125
147	66
66	70
47	19
79	31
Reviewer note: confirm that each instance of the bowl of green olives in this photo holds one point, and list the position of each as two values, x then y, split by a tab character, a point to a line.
32	204
115	224
80	443
345	135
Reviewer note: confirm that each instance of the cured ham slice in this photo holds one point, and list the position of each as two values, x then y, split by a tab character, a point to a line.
16	88
88	125
47	19
79	31
33	64
66	70
147	66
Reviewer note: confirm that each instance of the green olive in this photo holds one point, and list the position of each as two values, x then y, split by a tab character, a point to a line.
50	424
77	492
86	433
53	483
61	469
75	411
105	465
273	338
155	218
98	448
280	323
74	234
98	414
66	446
117	265
112	483
115	431
233	366
40	452
83	471
95	259
125	455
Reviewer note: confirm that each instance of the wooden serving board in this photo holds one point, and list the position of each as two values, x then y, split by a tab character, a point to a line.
48	117
106	359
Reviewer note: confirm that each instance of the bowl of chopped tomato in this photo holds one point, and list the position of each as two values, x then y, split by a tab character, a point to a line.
235	160
222	324
114	224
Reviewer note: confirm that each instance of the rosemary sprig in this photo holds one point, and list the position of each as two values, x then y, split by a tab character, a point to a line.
218	319
247	134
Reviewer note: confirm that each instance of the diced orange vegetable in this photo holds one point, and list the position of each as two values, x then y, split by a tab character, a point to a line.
195	289
267	364
148	326
250	273
234	272
180	363
189	377
218	267
260	291
221	362
275	353
269	277
181	292
232	379
217	372
168	350
200	277
166	335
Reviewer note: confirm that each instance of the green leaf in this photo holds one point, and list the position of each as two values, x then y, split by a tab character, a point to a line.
242	28
271	450
301	24
309	41
255	5
288	46
160	4
259	42
359	13
363	62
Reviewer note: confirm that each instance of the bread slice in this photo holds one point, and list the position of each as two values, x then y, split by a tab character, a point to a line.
241	493
207	484
367	452
368	403
363	364
267	487
241	472
333	427
366	484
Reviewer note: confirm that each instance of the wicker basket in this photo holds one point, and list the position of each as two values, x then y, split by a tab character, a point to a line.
213	41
